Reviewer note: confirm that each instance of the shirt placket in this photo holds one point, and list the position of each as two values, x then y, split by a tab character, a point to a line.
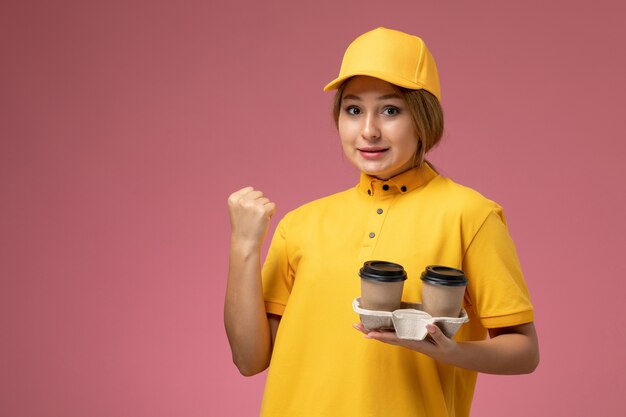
379	209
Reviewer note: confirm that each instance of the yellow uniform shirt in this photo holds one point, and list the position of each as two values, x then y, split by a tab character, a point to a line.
320	365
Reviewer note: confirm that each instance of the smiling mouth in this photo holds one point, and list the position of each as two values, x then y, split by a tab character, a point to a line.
373	153
372	150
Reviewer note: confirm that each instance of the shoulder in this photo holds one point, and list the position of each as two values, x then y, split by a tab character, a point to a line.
320	207
461	200
329	201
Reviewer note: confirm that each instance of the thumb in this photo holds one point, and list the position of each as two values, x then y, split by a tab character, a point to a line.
436	334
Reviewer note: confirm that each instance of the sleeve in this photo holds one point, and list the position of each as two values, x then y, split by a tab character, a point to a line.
496	287
276	274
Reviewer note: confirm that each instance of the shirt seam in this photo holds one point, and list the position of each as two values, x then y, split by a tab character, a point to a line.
482	224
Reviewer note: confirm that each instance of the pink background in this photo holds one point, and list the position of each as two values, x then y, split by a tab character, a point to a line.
124	125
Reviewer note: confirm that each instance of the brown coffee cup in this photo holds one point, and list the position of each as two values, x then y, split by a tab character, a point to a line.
381	285
442	291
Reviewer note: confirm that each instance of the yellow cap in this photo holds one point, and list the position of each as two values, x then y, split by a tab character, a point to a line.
392	56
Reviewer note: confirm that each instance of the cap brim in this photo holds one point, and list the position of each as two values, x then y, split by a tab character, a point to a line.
401	82
334	84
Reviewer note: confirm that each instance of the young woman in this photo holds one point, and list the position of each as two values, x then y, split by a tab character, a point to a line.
294	314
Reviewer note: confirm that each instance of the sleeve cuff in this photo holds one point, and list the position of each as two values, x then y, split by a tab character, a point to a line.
508	320
273	307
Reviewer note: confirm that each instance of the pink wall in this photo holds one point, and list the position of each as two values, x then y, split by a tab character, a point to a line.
124	125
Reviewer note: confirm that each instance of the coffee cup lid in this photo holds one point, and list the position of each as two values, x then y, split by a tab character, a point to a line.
444	275
382	271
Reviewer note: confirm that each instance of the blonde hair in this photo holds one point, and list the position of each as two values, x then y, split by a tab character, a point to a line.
426	113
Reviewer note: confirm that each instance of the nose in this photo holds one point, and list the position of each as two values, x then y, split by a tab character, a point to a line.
370	129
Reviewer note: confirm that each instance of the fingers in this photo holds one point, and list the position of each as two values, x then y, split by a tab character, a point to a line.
246	193
360	327
239	193
385	336
271	207
250	213
253	195
434	344
436	335
249	197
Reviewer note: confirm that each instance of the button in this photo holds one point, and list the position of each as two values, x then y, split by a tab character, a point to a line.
385	187
369	192
379	211
403	188
372	234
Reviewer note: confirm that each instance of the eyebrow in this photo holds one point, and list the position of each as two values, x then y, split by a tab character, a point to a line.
385	97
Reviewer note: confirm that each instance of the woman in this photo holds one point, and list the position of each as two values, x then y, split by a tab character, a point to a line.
297	309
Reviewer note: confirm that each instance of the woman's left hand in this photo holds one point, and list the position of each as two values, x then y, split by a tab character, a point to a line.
438	346
509	350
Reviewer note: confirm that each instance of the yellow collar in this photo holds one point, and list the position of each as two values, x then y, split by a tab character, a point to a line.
400	184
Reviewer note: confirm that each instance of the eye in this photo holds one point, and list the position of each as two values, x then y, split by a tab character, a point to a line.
391	111
353	110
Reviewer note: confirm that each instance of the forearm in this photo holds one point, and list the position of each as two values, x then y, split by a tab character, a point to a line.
504	354
245	317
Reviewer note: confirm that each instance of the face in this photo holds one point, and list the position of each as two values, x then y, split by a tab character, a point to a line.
376	128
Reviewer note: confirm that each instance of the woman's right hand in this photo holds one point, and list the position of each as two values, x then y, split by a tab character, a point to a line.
250	213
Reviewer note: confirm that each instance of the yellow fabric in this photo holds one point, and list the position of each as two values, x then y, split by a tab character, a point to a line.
393	56
321	366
